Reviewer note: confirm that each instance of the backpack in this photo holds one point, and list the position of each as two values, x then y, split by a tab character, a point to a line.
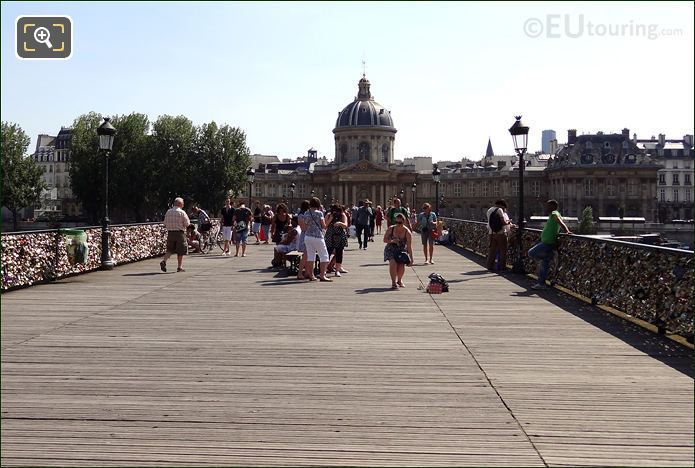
496	222
437	279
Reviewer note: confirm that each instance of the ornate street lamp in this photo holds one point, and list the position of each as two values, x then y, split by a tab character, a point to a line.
413	188
106	133
436	177
292	186
520	136
250	177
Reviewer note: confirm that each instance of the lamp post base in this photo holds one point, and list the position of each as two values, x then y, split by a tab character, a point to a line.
108	264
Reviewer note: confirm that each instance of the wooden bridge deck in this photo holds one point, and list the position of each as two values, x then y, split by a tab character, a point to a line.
229	363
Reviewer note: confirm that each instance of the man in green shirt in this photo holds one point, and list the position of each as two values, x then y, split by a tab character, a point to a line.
394	210
544	251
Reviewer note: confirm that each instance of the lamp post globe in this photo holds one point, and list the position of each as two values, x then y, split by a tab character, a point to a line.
413	188
106	133
436	177
292	187
519	133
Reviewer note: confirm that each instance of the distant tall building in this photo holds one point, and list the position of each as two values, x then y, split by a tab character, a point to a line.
547	136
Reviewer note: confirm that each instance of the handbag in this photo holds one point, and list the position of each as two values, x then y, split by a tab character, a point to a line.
402	257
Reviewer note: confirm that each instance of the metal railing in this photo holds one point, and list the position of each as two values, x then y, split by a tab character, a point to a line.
648	282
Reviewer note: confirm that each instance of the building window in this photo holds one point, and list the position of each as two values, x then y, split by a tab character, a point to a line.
536	188
675	195
385	152
687	195
588	188
259	190
474	189
675	179
301	190
662	179
457	190
496	188
632	187
515	187
662	195
676	164
610	188
272	190
687	179
364	150
485	189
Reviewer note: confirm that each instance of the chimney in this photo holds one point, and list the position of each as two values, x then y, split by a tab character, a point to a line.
662	140
688	140
571	136
626	133
501	164
553	146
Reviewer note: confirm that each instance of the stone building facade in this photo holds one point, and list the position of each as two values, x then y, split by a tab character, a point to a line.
609	172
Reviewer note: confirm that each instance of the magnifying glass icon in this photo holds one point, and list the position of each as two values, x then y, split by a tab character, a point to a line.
43	36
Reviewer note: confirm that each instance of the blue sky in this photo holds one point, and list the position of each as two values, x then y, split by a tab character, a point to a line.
452	74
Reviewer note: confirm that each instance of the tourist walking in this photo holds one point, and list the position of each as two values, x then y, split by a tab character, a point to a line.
372	221
364	213
242	226
393	210
378	218
544	251
256	227
498	226
227	224
314	239
336	237
176	222
280	223
398	240
301	246
266	220
427	222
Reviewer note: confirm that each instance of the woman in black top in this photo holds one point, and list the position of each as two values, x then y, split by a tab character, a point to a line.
336	237
279	223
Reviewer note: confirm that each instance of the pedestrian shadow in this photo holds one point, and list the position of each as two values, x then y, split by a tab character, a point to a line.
372	290
150	273
374	264
477	272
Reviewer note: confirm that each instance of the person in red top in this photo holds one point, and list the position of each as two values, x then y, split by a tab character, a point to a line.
378	218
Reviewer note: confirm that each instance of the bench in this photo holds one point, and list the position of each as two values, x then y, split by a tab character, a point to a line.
293	258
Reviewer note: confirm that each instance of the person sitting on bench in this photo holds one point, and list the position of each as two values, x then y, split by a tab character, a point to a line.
288	243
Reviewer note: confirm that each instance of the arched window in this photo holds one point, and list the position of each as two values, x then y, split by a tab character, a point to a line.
343	151
385	152
364	150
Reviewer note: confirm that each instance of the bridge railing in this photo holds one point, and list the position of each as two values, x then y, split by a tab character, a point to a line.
38	256
648	282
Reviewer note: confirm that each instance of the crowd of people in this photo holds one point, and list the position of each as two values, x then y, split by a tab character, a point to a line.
321	234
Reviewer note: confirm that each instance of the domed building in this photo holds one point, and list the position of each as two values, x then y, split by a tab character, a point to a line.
364	130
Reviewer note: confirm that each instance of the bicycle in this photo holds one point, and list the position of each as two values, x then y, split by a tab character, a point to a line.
211	239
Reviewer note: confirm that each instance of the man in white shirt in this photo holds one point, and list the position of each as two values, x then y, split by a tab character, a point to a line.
176	222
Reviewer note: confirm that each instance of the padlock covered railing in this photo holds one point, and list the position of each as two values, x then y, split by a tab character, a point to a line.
651	283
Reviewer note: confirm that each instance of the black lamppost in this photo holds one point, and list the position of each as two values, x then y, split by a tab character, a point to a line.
106	133
250	178
520	136
292	186
436	176
413	188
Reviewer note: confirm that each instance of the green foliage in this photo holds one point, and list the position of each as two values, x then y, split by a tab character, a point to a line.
586	224
22	178
147	170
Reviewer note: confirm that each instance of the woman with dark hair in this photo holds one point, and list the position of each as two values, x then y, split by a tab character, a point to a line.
314	239
397	239
336	236
303	210
280	223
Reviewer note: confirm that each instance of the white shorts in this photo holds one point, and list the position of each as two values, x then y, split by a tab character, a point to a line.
227	232
314	246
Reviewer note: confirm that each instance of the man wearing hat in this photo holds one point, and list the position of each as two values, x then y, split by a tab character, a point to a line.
365	215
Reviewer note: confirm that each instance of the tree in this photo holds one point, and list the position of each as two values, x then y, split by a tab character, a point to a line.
586	225
22	178
86	166
172	145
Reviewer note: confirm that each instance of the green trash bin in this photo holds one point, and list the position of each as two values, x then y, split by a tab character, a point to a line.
76	242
